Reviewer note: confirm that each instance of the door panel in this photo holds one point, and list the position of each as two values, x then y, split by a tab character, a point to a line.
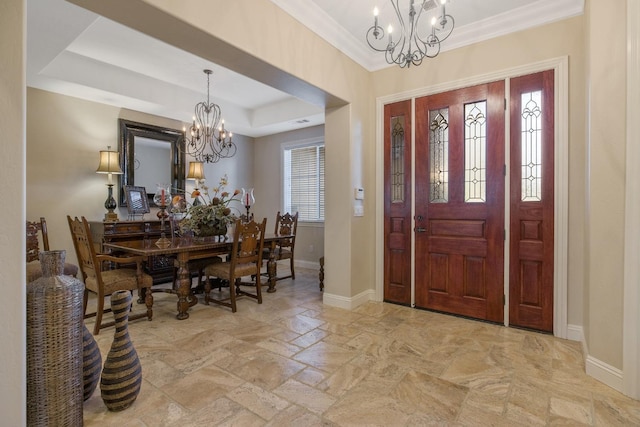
460	201
532	182
397	202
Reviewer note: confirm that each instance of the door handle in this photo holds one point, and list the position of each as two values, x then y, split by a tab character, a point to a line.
420	230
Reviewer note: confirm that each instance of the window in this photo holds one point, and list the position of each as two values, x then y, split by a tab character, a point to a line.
304	180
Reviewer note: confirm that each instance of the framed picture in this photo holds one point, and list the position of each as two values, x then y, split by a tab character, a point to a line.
137	201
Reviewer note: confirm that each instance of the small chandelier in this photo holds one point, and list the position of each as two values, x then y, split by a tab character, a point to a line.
206	141
415	40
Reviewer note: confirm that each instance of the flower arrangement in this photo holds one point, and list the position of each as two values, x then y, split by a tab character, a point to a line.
214	212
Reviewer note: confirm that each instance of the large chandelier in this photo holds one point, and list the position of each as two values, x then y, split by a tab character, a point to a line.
416	39
205	140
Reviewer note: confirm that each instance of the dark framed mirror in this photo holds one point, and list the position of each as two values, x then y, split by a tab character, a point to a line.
150	155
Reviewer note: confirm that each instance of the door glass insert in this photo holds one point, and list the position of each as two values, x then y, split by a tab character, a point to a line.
475	152
439	156
531	145
397	159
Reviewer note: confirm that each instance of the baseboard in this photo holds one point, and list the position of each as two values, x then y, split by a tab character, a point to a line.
311	265
604	373
348	303
575	333
595	368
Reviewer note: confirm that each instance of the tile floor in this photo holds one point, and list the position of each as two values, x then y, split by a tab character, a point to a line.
294	361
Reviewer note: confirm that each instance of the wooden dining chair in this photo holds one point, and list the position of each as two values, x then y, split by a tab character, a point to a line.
245	260
103	282
36	231
286	224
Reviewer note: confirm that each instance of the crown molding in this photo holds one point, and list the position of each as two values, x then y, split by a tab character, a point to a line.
309	14
535	14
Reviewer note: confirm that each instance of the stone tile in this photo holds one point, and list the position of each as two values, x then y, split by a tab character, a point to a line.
580	412
306	396
621	411
279	347
343	380
473	371
325	356
195	390
296	416
296	362
431	395
367	404
310	338
262	402
300	324
311	376
218	412
268	370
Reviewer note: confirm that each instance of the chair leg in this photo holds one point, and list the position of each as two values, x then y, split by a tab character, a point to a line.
207	290
258	289
99	311
85	301
232	293
293	272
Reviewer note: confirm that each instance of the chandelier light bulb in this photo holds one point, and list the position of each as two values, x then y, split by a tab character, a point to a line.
375	11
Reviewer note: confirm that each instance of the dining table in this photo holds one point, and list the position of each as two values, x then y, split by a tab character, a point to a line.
192	248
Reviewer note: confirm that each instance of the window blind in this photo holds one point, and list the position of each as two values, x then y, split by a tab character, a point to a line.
304	182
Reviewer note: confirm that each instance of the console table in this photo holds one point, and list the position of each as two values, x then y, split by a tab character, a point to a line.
160	267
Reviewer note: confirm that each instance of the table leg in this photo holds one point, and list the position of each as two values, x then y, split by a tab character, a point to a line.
271	268
184	286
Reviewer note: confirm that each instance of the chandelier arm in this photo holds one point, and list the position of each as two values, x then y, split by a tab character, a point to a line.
445	30
376	31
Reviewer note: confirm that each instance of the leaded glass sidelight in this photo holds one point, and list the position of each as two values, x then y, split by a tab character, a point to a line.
531	146
439	156
397	159
475	152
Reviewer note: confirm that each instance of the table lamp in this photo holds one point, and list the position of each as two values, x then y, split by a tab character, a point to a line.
110	164
196	172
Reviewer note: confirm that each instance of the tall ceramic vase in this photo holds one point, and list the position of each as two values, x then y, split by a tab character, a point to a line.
122	373
54	345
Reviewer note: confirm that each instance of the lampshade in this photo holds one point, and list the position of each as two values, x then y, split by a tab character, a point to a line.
109	162
196	170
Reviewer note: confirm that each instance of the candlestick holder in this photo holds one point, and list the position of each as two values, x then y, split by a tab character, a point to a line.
248	199
162	242
161	199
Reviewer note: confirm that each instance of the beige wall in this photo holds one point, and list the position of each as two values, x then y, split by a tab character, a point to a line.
12	241
268	190
606	127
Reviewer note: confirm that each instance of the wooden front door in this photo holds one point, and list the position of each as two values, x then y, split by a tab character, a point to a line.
459	222
397	202
532	182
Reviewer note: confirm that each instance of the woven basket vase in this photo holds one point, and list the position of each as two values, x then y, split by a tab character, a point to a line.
54	345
